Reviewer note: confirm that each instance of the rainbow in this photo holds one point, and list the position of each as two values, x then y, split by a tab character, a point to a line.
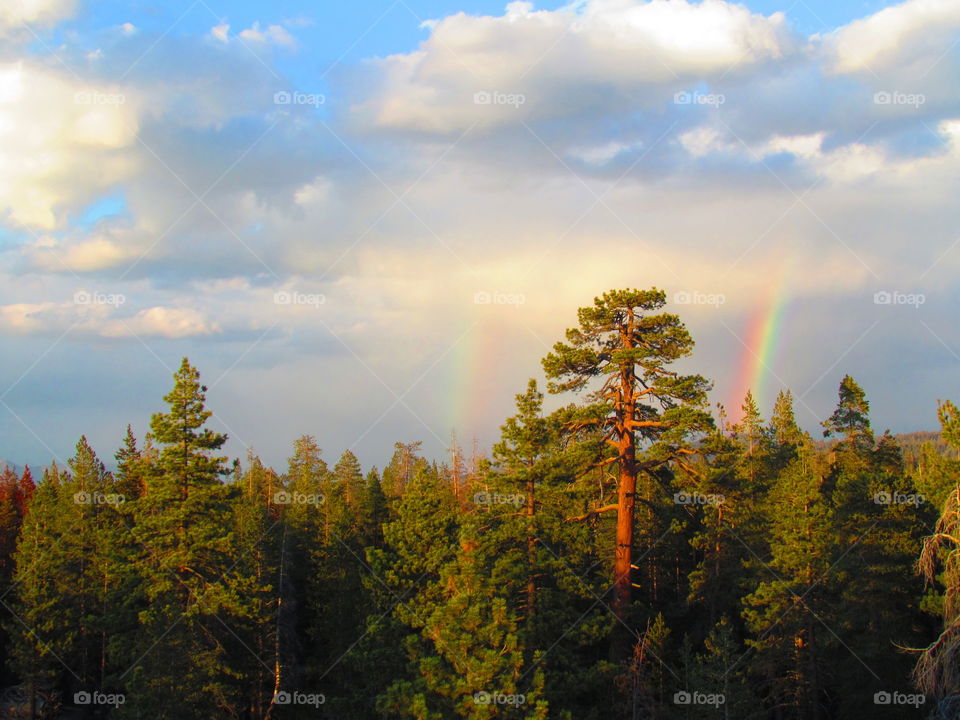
761	347
474	367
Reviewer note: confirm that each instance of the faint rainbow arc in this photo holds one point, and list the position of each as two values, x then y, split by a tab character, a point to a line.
761	346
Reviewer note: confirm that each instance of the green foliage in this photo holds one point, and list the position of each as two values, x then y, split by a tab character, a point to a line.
768	569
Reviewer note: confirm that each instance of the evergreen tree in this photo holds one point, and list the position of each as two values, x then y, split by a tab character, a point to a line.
406	587
796	596
262	640
876	526
192	585
403	466
646	412
937	672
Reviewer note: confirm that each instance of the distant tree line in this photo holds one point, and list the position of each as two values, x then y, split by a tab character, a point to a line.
632	554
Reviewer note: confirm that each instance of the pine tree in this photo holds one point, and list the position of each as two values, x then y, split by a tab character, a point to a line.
796	595
720	671
262	641
189	577
339	601
721	522
10	521
541	565
42	584
348	475
876	525
851	419
406	587
646	411
373	510
784	433
937	672
130	480
756	446
403	466
65	611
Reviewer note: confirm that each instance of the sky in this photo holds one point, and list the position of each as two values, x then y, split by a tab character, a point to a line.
369	221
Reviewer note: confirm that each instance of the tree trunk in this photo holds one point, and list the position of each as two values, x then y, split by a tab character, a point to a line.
623	588
531	570
622	644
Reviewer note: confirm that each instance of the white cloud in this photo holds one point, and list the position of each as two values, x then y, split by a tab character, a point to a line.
14	13
705	140
607	47
60	142
23	317
601	154
896	35
801	146
167	322
273	34
220	32
315	192
106	319
87	255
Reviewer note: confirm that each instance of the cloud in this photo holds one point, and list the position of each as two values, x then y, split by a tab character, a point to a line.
175	322
100	314
597	54
911	33
14	13
220	32
577	168
272	34
99	251
55	130
23	317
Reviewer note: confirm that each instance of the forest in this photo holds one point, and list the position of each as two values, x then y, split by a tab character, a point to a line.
631	554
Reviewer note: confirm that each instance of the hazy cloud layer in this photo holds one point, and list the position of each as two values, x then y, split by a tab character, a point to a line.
408	246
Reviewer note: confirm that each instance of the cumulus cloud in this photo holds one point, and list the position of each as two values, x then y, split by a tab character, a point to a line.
220	32
173	322
598	53
62	141
96	313
909	34
14	13
99	251
271	34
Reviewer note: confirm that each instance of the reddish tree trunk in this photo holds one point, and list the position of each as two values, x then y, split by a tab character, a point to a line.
626	500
